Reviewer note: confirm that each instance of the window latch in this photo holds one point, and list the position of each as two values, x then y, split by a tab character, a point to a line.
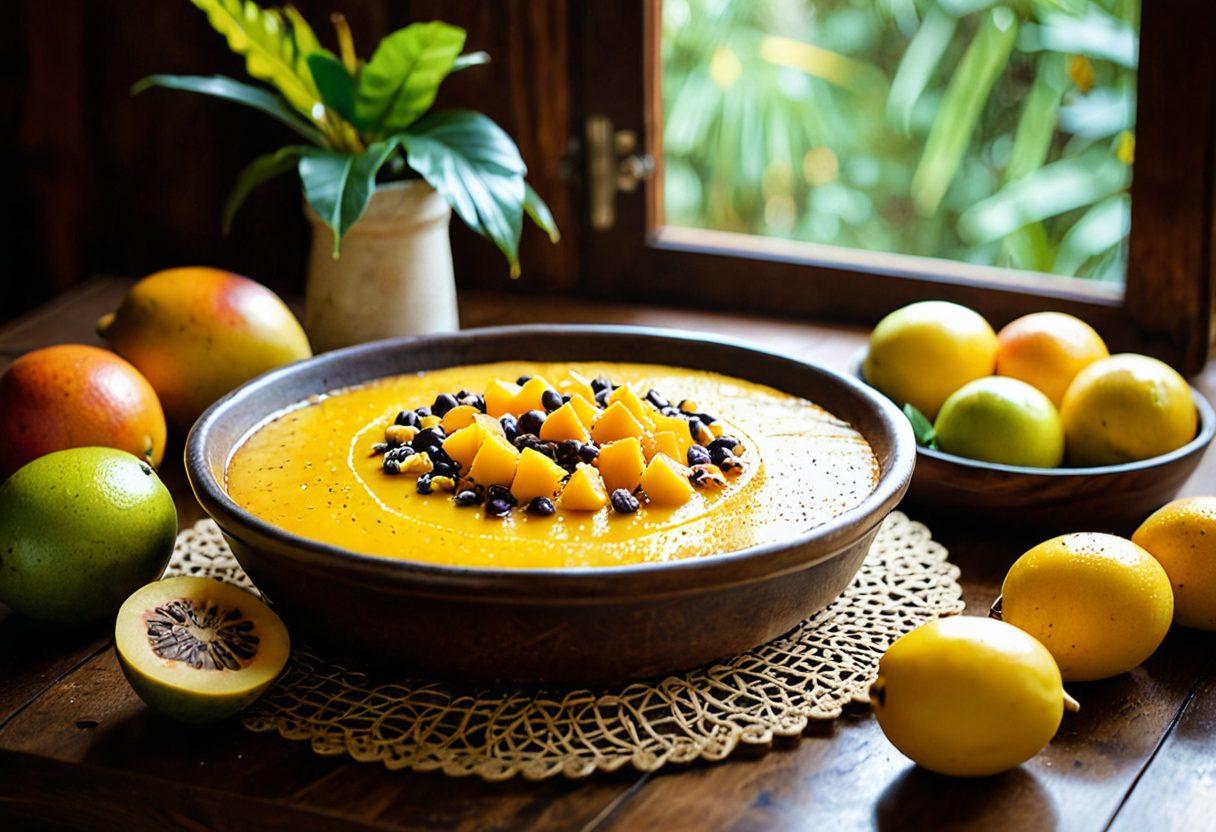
613	165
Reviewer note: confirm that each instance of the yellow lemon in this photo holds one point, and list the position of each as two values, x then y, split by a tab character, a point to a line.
1124	408
968	696
1182	537
1047	350
1001	420
1099	603
922	353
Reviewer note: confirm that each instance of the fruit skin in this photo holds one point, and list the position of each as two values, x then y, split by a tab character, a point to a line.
177	700
79	530
1182	537
73	396
968	696
1099	603
1124	408
1047	350
922	353
197	333
1001	420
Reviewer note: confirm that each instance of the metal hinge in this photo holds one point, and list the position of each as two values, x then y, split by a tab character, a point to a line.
613	165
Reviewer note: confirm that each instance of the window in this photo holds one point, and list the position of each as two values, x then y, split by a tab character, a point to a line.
843	157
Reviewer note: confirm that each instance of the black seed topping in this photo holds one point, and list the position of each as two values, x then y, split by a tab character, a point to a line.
391	466
541	506
532	421
550	400
600	384
698	455
522	380
601	397
510	427
655	399
422	412
429	438
501	492
408	418
379	448
623	502
466	498
729	442
569	453
423	486
443	403
588	453
498	508
210	638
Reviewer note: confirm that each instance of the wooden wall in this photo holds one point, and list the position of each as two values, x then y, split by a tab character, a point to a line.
100	181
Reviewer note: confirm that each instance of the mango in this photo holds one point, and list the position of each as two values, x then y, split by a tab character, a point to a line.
663	442
665	482
494	463
463	445
584	491
562	424
621	464
577	384
587	412
498	395
679	427
617	422
458	417
197	333
641	411
528	397
536	476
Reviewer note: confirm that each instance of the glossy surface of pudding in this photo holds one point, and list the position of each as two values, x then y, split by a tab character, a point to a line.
312	470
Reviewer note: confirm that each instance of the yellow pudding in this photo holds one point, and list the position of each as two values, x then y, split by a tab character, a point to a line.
318	469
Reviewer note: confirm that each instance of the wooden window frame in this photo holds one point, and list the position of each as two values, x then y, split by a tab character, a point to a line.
1165	307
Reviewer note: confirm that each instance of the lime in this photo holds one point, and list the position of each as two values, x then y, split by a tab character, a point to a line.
1001	420
79	531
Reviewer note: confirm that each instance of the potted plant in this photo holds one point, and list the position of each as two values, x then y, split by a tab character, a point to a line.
375	154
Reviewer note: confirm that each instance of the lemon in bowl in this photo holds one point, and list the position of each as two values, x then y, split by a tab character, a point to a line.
1125	408
922	353
1001	420
1100	603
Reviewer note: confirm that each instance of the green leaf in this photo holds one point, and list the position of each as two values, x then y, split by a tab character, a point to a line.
257	172
274	51
1102	227
982	63
1037	123
1097	34
917	65
540	213
338	185
922	428
473	163
335	84
401	80
470	59
218	86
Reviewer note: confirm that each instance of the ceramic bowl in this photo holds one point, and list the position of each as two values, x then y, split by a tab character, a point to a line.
1113	498
573	625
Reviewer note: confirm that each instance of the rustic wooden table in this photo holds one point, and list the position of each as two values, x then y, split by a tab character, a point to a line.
78	749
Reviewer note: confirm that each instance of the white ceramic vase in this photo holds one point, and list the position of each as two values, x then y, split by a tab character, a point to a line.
394	276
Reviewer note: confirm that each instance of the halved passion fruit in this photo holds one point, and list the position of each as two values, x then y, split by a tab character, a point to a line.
199	650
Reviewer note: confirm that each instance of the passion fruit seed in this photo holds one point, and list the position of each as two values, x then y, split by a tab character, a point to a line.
214	638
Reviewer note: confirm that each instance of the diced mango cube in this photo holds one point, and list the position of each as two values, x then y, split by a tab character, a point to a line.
495	462
563	423
492	426
575	383
587	412
458	417
429	421
641	411
679	427
536	476
663	442
499	394
464	444
621	464
584	491
615	423
665	482
528	397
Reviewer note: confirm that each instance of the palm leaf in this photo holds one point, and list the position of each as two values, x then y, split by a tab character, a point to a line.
1102	227
917	65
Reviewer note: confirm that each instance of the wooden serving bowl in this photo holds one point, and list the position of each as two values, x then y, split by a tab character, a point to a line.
572	625
1113	498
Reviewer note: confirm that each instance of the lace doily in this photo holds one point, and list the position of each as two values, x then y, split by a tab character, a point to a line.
810	673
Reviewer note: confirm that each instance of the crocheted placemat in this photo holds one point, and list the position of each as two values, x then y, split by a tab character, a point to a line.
811	673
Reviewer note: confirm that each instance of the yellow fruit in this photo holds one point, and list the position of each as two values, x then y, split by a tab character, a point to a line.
584	491
621	464
640	410
1047	350
666	483
536	476
463	445
922	353
678	427
563	424
576	384
529	396
499	395
1182	537
458	417
1099	603
968	696
663	442
587	412
1124	408
615	423
495	462
1001	420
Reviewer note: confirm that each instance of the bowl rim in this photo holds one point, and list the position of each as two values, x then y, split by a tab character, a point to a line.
834	535
1204	434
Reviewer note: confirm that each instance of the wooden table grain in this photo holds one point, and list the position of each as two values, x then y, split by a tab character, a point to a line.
79	750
